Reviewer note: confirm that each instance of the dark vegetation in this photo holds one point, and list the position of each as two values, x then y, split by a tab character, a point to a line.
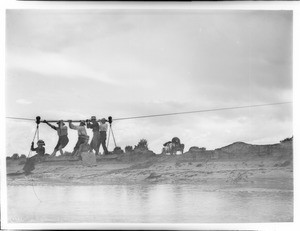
128	149
142	145
287	140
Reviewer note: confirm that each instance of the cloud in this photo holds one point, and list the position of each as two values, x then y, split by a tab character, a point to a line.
126	64
55	64
23	101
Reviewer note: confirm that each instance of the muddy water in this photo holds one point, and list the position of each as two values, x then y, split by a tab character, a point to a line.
146	204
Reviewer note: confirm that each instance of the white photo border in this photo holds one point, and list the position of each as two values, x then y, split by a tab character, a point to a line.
244	5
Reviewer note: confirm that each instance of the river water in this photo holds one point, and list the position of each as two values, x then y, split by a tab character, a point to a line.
145	204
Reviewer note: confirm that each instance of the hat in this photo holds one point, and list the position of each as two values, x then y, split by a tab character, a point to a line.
61	121
103	120
82	122
41	142
93	118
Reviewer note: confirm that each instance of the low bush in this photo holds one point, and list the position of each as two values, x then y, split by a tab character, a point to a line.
15	156
142	145
286	140
118	150
128	149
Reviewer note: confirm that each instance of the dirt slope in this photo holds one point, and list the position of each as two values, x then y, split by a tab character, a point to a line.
238	164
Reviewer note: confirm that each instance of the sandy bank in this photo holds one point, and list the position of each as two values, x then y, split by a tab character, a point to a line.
260	173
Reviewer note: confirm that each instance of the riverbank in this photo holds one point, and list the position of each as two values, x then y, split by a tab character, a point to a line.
265	173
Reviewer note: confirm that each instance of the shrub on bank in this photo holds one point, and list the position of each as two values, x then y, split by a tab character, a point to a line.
287	140
118	150
15	156
128	149
142	145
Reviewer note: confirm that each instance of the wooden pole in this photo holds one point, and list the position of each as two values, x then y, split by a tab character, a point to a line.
53	121
74	121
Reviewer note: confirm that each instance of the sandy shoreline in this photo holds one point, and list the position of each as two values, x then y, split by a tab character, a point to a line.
255	174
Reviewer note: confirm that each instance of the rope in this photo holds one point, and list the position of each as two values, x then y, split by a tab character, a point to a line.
31	179
108	138
175	113
200	111
19	118
112	132
36	132
34	190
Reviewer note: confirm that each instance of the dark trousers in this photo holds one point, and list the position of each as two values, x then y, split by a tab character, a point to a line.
102	141
80	141
95	143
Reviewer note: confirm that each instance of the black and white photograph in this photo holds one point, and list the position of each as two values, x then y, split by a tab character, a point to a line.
146	116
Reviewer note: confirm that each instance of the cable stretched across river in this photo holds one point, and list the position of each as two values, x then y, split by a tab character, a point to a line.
200	111
171	114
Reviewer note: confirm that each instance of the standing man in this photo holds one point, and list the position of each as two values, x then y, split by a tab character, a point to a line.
103	129
81	135
95	143
62	132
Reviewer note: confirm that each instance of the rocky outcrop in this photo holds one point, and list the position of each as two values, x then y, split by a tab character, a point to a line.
240	149
196	149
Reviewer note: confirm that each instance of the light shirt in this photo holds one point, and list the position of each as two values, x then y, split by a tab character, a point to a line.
103	127
81	129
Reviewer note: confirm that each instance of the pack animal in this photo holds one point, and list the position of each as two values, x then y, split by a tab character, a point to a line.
173	146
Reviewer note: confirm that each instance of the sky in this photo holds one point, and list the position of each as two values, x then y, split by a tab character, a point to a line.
73	64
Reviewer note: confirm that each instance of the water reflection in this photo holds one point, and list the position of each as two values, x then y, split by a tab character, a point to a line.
145	204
